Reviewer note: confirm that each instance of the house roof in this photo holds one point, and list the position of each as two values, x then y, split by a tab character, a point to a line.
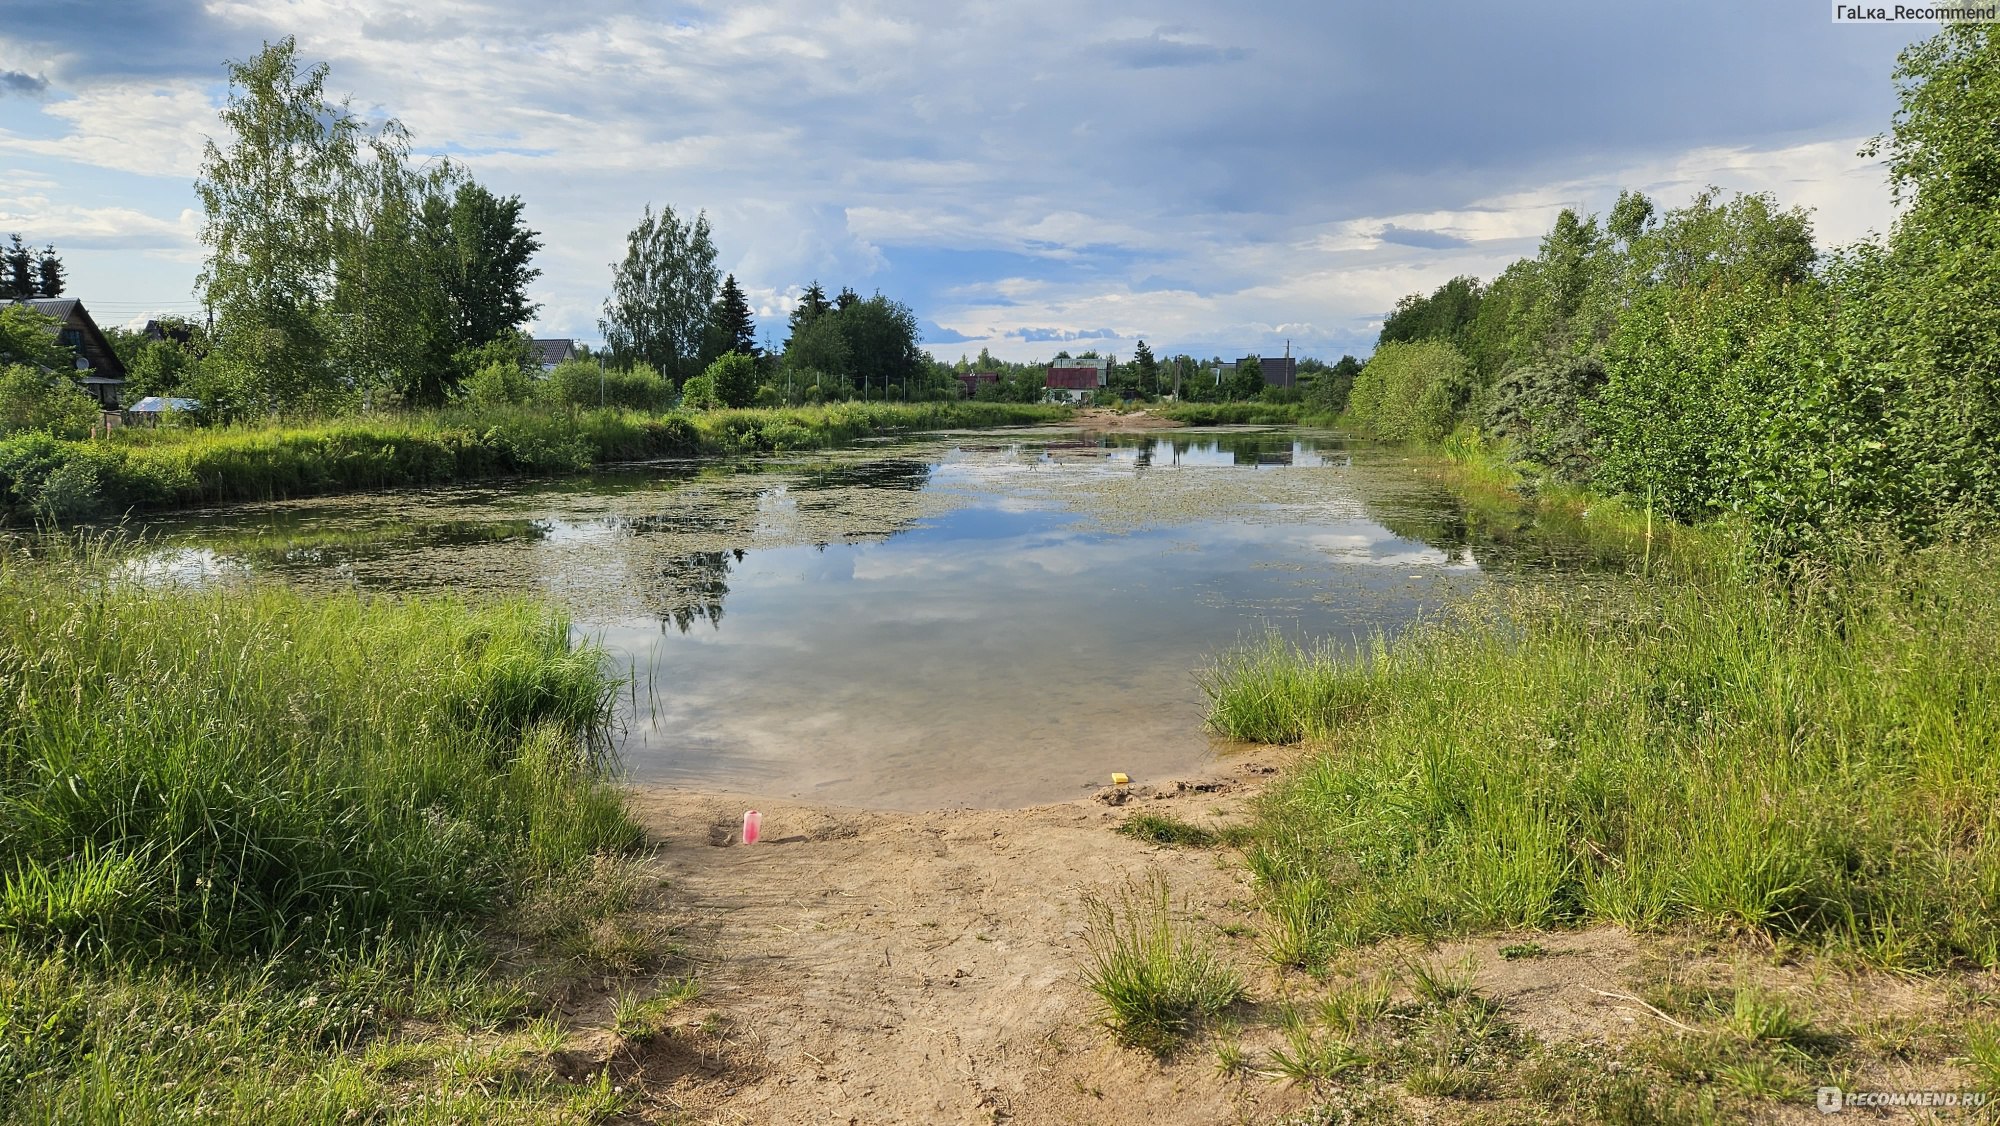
96	349
58	307
1073	379
555	350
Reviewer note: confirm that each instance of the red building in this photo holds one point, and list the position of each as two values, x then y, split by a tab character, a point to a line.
972	381
1076	379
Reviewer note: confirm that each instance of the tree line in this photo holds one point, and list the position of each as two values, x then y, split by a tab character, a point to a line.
1711	359
26	274
343	272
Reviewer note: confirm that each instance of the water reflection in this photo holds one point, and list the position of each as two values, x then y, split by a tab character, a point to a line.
986	620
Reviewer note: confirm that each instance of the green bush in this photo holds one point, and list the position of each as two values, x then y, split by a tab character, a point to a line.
582	383
698	394
1541	409
1411	392
499	385
32	399
734	378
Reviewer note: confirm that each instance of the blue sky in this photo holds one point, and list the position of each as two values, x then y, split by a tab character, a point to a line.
1214	178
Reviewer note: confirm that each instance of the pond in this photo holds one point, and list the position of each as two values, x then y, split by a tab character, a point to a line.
985	619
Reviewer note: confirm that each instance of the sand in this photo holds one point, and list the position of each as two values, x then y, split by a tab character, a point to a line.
865	966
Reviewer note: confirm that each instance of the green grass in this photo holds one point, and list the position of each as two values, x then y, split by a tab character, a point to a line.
1815	765
43	478
247	832
1167	831
1158	984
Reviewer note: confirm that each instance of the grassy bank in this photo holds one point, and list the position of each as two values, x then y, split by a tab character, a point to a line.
253	844
44	478
1814	767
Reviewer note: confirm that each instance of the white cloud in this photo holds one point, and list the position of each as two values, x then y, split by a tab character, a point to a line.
1165	173
150	129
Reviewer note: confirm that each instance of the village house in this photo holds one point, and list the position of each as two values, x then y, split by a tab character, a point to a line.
98	368
549	353
1072	380
972	381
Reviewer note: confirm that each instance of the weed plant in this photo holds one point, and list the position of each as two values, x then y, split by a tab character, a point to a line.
1158	984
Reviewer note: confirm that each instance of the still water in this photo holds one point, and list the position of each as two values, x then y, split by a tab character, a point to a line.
988	619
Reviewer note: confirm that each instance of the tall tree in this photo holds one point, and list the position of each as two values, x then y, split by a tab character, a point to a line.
279	194
662	293
1146	368
812	306
49	273
488	254
1444	315
392	314
17	279
735	327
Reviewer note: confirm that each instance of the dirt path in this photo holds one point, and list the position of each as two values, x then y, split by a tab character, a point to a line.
923	968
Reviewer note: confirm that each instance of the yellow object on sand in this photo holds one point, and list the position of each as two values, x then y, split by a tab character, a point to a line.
1120	779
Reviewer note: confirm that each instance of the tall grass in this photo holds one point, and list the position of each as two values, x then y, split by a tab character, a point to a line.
1158	983
42	477
240	828
1812	765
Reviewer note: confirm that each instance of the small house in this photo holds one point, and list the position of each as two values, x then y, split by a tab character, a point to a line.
1071	380
1279	371
98	368
549	353
972	381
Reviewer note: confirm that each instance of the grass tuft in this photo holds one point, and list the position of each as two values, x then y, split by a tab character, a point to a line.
1158	985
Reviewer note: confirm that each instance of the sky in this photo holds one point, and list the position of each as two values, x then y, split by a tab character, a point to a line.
1029	176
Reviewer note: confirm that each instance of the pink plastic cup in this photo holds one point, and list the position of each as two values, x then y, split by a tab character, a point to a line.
753	824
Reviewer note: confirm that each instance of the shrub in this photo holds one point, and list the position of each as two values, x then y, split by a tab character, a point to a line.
1411	392
582	383
499	384
32	399
734	379
699	393
1541	409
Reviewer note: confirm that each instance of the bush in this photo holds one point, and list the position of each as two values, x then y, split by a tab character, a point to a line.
1411	392
734	379
499	384
32	399
582	383
1541	409
699	394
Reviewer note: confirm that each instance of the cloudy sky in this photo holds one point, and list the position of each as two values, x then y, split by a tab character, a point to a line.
1216	178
